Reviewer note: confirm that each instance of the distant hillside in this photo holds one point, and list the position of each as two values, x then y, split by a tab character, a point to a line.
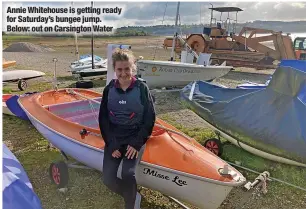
168	30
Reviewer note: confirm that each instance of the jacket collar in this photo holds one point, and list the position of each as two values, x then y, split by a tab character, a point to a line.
117	85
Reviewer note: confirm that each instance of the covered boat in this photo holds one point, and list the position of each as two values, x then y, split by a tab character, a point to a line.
269	122
17	189
298	64
171	163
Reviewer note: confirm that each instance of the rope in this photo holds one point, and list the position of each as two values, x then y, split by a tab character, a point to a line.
93	109
275	179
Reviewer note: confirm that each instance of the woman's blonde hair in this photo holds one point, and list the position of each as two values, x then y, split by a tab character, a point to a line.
123	55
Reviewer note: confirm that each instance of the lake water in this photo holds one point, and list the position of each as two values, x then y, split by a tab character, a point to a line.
294	35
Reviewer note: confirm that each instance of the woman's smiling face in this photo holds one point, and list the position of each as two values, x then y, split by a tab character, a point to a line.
123	70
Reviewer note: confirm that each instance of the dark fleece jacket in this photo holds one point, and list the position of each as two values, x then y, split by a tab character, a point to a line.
135	139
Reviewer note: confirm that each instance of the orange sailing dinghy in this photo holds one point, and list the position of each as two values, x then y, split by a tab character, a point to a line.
6	64
172	163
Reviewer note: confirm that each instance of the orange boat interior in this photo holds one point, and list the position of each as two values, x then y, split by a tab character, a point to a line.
68	114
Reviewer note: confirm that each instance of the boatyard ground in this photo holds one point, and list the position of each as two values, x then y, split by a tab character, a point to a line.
86	189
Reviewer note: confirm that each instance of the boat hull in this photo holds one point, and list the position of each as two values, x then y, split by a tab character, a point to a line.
88	72
15	75
174	74
201	192
5	109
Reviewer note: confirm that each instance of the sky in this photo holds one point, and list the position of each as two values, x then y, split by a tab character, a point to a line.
161	13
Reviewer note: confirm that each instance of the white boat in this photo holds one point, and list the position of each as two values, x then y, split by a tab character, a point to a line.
177	74
20	76
89	72
86	64
15	75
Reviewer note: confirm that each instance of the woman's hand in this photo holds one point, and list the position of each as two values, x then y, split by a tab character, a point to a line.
116	154
131	152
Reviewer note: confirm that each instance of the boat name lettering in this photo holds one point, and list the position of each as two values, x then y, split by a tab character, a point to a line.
178	181
177	70
154	173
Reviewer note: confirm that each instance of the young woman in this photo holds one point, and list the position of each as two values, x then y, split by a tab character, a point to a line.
126	121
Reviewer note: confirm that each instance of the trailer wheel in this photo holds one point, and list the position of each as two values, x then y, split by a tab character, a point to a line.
58	172
214	145
84	84
22	85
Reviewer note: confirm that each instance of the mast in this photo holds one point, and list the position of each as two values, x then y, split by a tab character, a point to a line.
76	42
92	55
176	33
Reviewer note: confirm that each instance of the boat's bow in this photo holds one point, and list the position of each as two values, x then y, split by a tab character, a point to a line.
179	166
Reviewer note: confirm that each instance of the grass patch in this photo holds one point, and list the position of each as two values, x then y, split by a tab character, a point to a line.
86	189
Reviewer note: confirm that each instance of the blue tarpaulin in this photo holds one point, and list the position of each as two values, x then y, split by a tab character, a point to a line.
17	191
272	119
297	64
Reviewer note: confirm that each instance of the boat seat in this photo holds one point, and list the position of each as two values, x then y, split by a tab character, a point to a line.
73	109
87	119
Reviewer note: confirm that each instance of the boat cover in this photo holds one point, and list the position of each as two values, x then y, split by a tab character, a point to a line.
17	190
271	119
14	107
298	64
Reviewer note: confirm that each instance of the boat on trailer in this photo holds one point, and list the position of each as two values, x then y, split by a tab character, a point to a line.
267	121
171	162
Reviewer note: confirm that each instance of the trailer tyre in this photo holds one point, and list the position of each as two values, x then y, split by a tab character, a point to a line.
84	84
214	145
22	85
58	172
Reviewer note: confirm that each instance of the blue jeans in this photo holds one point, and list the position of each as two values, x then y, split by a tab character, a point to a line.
126	186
